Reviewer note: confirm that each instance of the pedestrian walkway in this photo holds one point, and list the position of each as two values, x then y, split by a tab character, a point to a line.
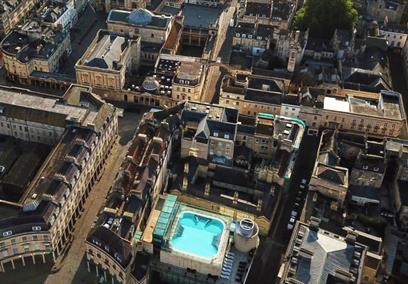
67	269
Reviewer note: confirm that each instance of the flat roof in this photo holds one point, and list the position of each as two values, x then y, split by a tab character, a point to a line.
331	103
87	110
30	107
199	16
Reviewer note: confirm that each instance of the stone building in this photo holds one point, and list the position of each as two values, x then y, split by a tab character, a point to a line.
38	223
12	12
34	49
108	60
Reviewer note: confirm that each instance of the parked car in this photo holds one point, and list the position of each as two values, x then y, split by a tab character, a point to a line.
291	223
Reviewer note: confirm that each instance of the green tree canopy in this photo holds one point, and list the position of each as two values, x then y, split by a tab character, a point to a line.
322	17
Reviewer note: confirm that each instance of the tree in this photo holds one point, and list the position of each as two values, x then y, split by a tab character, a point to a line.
322	17
404	18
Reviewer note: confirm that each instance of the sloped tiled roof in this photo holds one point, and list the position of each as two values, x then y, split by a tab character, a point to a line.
332	174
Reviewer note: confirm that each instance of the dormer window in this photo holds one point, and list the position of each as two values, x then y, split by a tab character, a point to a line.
7	233
36	228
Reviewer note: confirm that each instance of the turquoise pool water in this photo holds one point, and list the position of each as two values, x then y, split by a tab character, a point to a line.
197	235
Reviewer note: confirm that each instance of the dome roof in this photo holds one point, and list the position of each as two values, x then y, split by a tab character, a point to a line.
150	84
140	17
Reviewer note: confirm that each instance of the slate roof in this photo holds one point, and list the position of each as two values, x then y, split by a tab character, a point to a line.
196	16
321	256
332	174
107	53
139	17
364	192
119	248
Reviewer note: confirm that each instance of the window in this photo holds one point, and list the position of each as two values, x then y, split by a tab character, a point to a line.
15	251
35	238
24	239
36	228
8	233
45	237
2	244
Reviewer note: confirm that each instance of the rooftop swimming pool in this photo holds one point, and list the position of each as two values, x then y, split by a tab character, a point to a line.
197	235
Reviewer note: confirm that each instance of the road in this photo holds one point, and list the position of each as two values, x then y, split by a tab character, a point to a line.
266	264
210	84
72	260
222	48
81	37
72	268
223	34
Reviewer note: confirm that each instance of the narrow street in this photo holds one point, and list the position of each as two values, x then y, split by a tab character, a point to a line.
223	31
214	74
210	84
72	268
266	264
73	258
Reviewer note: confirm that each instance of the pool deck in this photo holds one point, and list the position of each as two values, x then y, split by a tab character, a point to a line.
238	257
223	244
177	258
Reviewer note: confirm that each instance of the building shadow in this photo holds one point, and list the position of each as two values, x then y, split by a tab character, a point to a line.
29	274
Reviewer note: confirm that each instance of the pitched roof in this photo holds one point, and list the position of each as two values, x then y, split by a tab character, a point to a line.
332	174
321	256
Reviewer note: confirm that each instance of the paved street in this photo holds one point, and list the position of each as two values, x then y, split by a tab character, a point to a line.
222	35
73	267
398	77
266	266
210	84
226	49
222	49
82	35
